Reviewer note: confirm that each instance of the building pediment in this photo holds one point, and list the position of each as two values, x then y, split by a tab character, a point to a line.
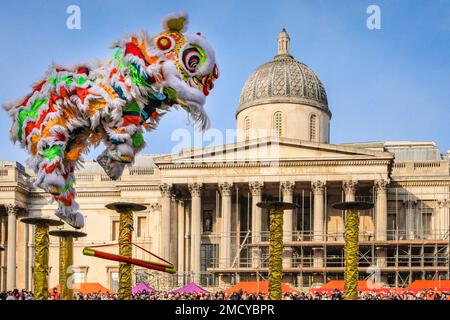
272	150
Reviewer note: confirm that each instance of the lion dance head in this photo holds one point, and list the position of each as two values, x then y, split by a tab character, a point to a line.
187	63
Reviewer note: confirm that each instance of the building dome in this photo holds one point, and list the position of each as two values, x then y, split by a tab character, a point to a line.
285	83
283	79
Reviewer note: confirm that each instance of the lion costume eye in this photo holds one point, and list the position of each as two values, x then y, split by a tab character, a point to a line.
192	58
165	43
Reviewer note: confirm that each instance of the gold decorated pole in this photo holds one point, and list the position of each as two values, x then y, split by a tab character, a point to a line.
125	250
66	260
41	247
125	245
351	248
41	243
351	255
275	245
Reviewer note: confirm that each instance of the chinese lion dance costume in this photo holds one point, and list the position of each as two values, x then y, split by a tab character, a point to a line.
71	110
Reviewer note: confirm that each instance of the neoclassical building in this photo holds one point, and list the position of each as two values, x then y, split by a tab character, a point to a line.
201	203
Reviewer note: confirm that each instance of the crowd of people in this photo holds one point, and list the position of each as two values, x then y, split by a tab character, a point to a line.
426	294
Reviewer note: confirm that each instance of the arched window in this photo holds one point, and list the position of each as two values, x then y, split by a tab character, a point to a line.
247	128
313	127
278	124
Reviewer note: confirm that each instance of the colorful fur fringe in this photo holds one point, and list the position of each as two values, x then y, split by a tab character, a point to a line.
71	110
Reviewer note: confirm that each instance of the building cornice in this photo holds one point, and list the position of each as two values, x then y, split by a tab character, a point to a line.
98	194
139	188
422	183
18	187
265	164
285	100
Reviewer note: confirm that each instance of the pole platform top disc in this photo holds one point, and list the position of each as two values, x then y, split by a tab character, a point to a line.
2	248
67	233
40	221
123	206
353	205
276	205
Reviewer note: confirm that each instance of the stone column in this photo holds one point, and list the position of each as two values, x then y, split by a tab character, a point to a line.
287	188
256	190
11	253
441	220
225	239
418	227
381	220
435	220
401	219
445	219
174	230
180	245
187	244
195	189
318	188
156	214
381	210
166	192
410	209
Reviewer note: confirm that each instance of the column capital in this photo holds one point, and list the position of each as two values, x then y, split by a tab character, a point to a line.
226	188
318	186
444	203
287	186
155	206
349	186
195	189
166	189
256	188
410	203
381	185
11	208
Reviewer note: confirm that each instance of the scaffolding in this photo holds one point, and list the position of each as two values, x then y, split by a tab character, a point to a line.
416	245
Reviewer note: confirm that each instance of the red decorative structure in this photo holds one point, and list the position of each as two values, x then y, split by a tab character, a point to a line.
164	267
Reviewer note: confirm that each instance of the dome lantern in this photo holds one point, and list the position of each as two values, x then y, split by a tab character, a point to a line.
283	42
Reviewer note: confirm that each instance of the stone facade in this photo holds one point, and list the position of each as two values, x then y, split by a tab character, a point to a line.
201	203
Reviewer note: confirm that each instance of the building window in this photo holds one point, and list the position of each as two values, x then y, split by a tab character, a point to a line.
313	127
247	128
278	124
115	230
141	227
209	258
114	280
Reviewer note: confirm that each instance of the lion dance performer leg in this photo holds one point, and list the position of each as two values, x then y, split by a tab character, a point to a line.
114	102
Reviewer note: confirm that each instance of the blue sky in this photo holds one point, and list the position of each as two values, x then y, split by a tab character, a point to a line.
388	84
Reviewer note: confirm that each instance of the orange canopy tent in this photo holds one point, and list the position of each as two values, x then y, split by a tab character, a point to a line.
84	288
439	285
255	287
363	285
